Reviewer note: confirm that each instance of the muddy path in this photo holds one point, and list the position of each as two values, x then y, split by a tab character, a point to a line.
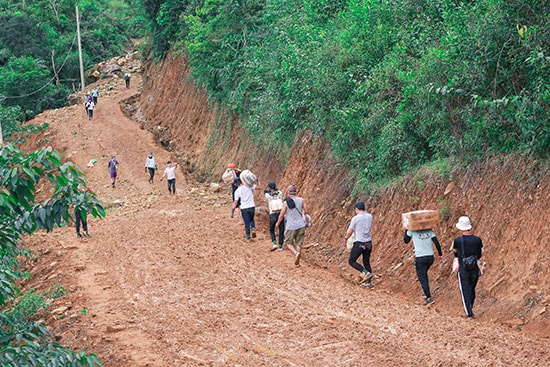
169	280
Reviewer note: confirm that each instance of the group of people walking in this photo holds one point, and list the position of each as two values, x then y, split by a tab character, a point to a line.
467	250
90	102
287	226
287	217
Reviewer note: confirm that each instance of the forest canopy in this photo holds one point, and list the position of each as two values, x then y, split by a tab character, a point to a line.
39	61
391	84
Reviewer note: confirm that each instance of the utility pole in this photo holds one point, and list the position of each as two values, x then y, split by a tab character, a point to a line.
79	49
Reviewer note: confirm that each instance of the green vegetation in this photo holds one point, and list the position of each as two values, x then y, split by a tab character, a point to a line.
392	84
23	340
39	63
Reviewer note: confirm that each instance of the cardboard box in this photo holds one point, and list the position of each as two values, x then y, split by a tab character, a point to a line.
420	219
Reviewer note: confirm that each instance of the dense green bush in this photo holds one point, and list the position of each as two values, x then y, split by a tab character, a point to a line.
24	341
391	84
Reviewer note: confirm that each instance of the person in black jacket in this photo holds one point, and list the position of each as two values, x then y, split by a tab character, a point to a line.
464	246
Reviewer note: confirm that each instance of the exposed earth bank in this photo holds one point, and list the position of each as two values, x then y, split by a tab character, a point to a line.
169	281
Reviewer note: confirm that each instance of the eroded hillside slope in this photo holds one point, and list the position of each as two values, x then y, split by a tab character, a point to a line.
507	198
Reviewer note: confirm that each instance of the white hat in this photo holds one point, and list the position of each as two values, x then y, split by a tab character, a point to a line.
464	224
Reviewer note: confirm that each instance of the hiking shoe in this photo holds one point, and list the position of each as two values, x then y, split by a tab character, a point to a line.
273	247
429	301
297	258
366	276
366	285
253	232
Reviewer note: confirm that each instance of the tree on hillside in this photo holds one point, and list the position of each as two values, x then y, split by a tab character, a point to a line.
23	210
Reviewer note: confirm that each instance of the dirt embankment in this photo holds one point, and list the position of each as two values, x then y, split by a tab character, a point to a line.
168	280
505	197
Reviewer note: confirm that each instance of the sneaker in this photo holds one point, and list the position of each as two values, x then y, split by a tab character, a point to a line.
86	234
273	247
366	276
248	238
78	235
297	258
429	301
253	232
366	285
280	248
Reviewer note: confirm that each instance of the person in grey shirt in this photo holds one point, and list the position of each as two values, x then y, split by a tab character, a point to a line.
294	212
361	225
424	257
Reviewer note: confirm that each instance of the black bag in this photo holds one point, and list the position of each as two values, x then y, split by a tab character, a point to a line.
470	262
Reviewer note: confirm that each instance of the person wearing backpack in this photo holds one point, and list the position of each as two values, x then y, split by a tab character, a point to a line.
113	169
274	198
468	249
294	212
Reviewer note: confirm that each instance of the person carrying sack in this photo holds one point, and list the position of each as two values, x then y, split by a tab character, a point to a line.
464	247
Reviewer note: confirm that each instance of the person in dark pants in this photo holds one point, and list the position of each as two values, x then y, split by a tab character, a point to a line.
424	257
361	225
274	198
244	196
466	245
150	166
80	217
170	174
127	77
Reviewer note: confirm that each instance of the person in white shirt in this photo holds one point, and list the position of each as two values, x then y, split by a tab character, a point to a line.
170	174
151	166
244	196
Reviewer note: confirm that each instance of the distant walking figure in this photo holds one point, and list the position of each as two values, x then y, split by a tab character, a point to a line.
87	100
113	168
170	173
90	109
95	94
150	166
127	77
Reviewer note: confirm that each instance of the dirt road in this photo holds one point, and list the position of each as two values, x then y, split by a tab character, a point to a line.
169	281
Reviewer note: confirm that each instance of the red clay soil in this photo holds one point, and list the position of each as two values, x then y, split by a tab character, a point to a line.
169	280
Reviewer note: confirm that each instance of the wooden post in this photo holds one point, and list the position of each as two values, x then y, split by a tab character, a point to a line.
80	50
